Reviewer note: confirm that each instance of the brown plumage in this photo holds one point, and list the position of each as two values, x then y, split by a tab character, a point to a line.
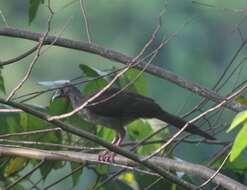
116	109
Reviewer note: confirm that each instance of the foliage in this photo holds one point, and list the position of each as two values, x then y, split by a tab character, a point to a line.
240	141
137	130
200	62
34	6
2	87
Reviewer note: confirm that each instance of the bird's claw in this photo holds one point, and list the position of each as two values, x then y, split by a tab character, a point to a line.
107	156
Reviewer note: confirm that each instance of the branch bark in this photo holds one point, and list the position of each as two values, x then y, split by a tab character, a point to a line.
165	163
84	134
124	59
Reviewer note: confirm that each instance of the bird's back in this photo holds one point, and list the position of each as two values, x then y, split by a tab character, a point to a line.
123	104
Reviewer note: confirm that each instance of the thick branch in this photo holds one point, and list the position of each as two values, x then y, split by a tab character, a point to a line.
119	57
166	163
84	134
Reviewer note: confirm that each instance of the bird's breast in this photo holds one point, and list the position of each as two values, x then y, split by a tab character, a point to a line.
94	118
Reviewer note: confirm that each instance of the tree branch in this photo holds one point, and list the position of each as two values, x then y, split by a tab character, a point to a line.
20	57
84	134
119	57
165	163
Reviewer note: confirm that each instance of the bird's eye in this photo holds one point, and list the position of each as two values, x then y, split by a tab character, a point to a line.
59	93
62	92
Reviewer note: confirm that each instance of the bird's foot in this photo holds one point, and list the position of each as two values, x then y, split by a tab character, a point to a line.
107	156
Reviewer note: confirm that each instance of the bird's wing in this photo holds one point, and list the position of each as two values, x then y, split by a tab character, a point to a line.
130	106
113	103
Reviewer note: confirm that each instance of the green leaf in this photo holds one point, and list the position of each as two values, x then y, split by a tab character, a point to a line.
15	165
2	87
139	130
119	185
33	9
48	166
239	143
59	106
145	180
89	71
102	169
93	72
239	165
242	100
239	118
75	176
12	124
140	84
62	105
133	84
76	121
129	178
10	121
105	133
24	121
95	85
148	148
35	123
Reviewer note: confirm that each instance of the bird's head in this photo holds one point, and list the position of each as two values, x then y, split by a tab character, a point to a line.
66	91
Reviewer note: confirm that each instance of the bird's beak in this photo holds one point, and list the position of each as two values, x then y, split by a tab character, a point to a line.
57	94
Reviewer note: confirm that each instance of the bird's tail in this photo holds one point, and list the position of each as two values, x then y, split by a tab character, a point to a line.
179	123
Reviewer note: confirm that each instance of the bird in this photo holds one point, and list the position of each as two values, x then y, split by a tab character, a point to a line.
116	108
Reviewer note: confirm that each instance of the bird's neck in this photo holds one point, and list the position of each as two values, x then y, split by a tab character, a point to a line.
75	97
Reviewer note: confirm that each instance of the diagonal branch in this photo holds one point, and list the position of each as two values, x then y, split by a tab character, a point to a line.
26	175
29	70
119	57
20	57
84	134
165	163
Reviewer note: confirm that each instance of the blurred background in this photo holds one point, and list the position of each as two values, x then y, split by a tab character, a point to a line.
207	36
199	52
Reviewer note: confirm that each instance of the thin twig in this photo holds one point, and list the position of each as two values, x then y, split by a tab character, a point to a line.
83	134
83	11
12	93
213	6
23	177
235	55
153	183
133	63
32	132
59	34
35	59
10	110
62	116
64	177
70	147
219	153
72	83
217	106
101	91
166	163
20	57
216	172
35	184
4	18
119	57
